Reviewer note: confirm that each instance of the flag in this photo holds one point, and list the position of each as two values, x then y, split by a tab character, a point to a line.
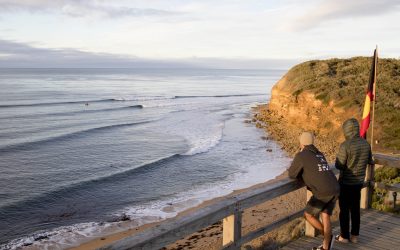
369	98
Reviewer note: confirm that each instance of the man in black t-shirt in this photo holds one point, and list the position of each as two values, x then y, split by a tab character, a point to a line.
310	165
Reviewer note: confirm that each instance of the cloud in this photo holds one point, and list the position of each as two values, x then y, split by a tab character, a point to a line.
79	8
337	9
21	55
242	63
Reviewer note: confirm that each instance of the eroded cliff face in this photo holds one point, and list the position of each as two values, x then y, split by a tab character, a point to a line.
306	111
288	114
319	95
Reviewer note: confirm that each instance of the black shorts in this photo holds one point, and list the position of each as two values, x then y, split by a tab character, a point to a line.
315	206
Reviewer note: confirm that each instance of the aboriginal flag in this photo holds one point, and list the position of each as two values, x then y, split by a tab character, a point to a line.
366	118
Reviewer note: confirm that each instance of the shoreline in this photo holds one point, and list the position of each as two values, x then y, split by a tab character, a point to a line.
124	225
286	133
211	236
282	123
254	217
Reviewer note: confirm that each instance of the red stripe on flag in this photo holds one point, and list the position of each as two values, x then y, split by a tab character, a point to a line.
369	98
371	95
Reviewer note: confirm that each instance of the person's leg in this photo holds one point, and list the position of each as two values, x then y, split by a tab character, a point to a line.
355	210
314	222
326	223
344	202
313	208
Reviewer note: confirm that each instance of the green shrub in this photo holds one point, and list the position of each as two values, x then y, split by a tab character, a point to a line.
386	174
389	176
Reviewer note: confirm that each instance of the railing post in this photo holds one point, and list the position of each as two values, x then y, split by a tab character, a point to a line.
232	229
310	230
366	193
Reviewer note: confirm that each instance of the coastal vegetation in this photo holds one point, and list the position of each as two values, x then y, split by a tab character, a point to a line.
320	95
381	199
343	83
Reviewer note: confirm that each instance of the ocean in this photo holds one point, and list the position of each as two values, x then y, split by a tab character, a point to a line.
88	152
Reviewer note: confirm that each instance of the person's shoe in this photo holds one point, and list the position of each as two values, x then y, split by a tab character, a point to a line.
339	238
319	248
354	239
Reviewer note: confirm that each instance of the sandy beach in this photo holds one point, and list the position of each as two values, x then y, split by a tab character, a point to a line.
283	120
211	237
255	217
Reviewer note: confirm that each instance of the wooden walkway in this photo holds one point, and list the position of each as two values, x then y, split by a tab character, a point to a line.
378	231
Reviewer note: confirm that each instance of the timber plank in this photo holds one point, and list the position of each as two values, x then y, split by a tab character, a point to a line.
176	228
263	230
361	245
380	225
387	160
378	231
372	232
377	214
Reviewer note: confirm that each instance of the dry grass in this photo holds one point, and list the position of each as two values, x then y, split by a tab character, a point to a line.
344	81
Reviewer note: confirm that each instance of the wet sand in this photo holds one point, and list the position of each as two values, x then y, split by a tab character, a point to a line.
255	217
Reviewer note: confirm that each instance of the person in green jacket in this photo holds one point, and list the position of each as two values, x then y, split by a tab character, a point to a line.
352	159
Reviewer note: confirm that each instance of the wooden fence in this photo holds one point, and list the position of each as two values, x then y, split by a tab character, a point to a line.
229	210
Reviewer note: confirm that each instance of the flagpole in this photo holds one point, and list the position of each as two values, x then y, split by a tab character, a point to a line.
374	95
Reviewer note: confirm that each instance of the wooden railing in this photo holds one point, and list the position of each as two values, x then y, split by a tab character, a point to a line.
387	161
229	209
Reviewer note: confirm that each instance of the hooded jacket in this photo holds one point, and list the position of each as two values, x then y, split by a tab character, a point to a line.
311	166
354	155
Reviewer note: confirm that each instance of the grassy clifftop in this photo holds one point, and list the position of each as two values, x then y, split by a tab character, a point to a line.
320	95
342	83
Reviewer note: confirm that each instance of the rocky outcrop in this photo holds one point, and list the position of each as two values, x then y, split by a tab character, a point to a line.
320	95
289	113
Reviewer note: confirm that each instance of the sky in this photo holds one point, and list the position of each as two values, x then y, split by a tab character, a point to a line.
188	33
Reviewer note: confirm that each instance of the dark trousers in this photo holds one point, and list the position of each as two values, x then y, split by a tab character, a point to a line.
349	203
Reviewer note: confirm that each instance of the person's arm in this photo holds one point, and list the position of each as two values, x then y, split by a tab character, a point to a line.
296	167
341	158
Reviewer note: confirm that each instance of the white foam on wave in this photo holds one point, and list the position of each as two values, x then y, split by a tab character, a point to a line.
164	209
202	133
258	170
201	129
62	237
142	98
182	106
75	235
205	140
